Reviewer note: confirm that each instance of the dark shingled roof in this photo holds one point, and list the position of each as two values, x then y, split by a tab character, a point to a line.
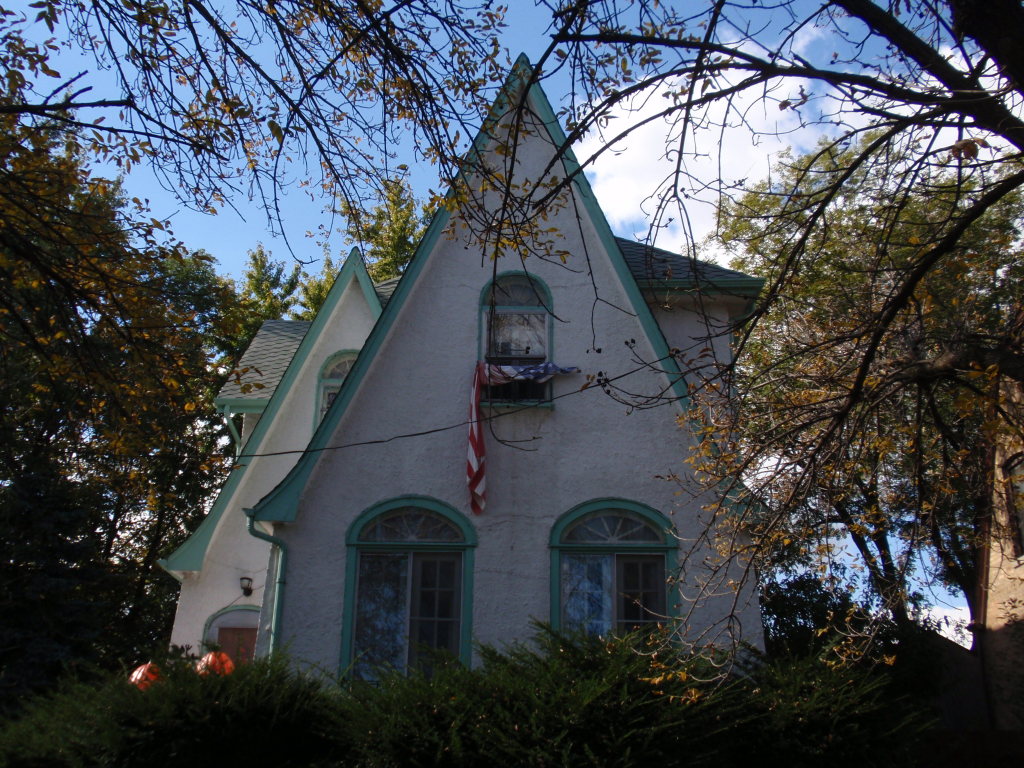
386	289
656	265
265	361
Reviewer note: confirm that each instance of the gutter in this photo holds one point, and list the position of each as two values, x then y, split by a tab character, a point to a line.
282	558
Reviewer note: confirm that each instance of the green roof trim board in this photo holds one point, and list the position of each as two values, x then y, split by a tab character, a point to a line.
611	245
281	504
190	555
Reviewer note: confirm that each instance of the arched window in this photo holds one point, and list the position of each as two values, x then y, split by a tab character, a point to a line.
516	312
332	376
611	560
410	567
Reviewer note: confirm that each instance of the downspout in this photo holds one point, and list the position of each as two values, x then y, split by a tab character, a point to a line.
282	552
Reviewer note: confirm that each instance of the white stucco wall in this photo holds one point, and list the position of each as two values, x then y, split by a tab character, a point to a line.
232	552
588	446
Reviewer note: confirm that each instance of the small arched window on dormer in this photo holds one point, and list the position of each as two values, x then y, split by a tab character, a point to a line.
332	376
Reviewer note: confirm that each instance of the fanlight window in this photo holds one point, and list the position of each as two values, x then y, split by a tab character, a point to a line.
410	524
612	573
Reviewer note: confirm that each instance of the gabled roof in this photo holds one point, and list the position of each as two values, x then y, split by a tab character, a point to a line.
265	361
281	504
190	555
656	266
270	352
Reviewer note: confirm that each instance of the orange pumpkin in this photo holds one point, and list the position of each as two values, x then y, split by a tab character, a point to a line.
215	662
144	675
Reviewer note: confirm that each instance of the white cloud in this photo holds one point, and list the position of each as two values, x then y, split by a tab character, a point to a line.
643	164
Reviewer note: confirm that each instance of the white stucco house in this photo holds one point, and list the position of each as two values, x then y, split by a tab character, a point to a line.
348	506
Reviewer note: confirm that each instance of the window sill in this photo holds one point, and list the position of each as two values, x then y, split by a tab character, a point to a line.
546	405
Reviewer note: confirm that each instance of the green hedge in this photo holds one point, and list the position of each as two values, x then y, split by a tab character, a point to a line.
561	701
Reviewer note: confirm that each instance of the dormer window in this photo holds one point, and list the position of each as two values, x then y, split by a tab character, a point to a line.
332	376
516	318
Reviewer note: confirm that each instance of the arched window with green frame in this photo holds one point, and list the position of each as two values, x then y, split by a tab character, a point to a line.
611	560
332	376
408	591
516	330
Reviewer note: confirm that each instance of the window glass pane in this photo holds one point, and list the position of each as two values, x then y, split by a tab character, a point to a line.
640	586
434	620
381	612
587	592
328	393
518	291
518	334
410	524
610	528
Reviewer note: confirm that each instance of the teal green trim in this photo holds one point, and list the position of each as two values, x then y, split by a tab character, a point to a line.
236	438
661	523
281	504
341	354
224	611
281	548
643	313
485	292
428	503
241	404
485	306
669	546
354	547
190	555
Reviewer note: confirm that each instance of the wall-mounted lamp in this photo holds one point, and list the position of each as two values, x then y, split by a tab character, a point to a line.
245	582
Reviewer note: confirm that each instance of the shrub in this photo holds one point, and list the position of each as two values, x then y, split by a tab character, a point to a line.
563	700
559	701
264	713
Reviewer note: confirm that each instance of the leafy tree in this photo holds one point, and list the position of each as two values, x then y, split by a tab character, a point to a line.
267	291
390	233
108	437
313	289
903	479
217	97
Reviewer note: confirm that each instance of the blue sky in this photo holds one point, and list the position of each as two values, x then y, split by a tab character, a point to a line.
621	180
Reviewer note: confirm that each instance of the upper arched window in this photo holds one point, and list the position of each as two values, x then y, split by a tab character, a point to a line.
516	311
332	376
612	564
408	585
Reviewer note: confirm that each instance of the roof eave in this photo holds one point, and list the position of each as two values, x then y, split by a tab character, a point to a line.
747	287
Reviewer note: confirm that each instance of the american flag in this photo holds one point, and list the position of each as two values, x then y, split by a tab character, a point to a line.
490	375
477	453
